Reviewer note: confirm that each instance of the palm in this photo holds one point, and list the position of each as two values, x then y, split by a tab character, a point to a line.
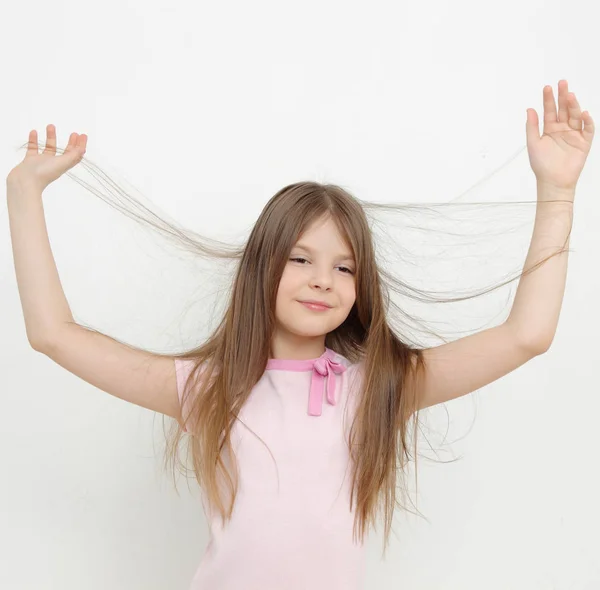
557	158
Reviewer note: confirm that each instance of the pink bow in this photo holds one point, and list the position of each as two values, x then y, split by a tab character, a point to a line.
323	367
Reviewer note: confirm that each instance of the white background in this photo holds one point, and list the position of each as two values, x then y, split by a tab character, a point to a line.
209	109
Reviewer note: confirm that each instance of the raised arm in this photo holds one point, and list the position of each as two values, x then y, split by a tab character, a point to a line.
133	375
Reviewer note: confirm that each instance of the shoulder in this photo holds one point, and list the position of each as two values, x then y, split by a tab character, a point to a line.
184	368
186	390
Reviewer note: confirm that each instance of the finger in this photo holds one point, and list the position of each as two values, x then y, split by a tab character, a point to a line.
532	128
50	139
82	141
72	142
563	101
32	145
589	128
575	120
77	142
549	106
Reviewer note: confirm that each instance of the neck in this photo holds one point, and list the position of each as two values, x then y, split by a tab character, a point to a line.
293	347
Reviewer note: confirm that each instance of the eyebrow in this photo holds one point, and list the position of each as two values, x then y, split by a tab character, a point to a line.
343	256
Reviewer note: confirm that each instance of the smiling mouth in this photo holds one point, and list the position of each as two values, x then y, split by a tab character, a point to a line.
314	306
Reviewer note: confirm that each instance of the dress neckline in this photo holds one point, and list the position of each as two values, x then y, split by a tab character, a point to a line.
324	370
299	365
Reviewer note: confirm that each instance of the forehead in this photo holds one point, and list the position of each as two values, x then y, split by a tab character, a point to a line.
323	235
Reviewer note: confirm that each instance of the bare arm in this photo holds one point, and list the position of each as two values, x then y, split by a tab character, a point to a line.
539	297
45	306
467	364
133	375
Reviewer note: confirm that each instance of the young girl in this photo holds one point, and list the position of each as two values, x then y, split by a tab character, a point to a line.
297	408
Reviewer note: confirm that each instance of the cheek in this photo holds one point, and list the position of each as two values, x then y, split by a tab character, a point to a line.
286	292
349	294
291	282
285	285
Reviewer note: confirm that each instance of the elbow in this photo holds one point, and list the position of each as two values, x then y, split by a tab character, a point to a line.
38	344
534	342
539	345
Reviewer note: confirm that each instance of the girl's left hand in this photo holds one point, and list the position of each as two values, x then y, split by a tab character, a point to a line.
557	158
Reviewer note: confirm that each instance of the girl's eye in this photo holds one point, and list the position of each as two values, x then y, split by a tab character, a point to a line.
348	271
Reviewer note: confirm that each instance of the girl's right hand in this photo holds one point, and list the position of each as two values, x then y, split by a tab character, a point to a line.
39	170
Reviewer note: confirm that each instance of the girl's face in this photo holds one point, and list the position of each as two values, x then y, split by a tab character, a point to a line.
320	267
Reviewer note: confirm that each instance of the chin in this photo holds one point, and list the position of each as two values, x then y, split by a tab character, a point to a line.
319	329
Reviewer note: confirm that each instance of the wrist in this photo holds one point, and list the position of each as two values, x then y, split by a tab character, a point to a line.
19	189
559	195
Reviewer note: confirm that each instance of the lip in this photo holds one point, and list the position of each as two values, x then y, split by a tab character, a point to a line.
315	305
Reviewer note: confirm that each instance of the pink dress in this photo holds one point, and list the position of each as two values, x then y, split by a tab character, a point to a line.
291	527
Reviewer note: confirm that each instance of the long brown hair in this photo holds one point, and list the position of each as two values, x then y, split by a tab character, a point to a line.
232	360
235	356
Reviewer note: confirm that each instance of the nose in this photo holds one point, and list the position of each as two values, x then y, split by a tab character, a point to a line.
321	279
